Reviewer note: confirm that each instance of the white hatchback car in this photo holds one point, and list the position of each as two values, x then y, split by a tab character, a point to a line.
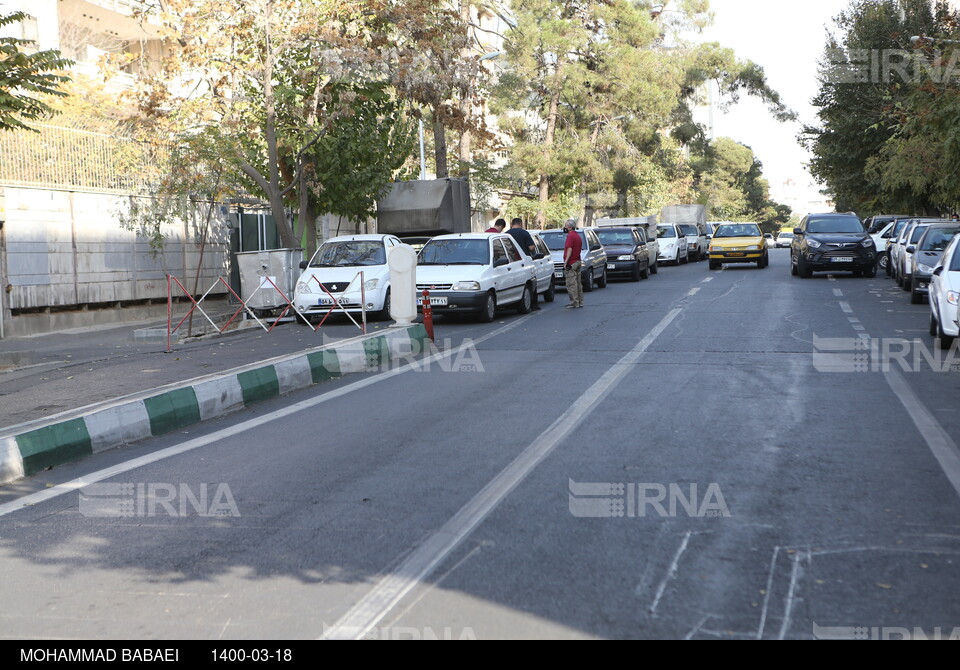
476	273
673	244
945	296
334	275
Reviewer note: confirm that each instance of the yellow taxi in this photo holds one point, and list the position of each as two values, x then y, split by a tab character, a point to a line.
738	243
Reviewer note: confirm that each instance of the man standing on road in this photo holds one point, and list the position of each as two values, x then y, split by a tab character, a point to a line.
497	227
572	265
525	242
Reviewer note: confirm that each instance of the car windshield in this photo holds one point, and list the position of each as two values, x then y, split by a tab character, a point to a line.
350	254
616	237
666	232
937	239
690	230
557	239
835	224
455	252
738	230
785	235
917	234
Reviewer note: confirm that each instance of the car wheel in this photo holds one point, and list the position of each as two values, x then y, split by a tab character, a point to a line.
525	306
943	340
714	265
655	268
686	259
871	272
636	275
551	293
645	273
793	267
384	314
602	282
802	269
588	281
858	273
905	284
915	298
887	265
882	263
489	311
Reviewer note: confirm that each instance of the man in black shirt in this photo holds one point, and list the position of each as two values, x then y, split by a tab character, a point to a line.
525	242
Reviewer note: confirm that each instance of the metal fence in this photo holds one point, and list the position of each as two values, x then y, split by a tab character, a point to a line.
61	157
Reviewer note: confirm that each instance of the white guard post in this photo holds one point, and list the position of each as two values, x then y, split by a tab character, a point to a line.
403	284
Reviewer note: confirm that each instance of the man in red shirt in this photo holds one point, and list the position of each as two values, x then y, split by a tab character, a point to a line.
497	227
572	265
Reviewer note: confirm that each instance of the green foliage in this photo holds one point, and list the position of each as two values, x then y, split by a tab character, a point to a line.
26	78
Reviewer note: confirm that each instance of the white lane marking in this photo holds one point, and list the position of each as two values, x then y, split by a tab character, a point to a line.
791	593
853	319
944	449
864	336
671	572
837	292
766	596
239	429
693	292
696	629
831	278
391	589
845	306
707	280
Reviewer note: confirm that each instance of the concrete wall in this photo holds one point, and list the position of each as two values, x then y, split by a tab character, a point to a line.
67	249
45	11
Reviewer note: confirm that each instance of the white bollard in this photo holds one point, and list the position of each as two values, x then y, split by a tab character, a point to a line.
403	284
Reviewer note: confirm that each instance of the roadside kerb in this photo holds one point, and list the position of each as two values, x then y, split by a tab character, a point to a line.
30	447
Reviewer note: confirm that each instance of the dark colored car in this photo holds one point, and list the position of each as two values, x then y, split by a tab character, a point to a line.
626	252
926	257
832	243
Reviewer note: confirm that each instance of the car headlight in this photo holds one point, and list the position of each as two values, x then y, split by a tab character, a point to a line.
303	287
953	297
813	244
867	243
624	258
370	284
466	286
754	247
925	269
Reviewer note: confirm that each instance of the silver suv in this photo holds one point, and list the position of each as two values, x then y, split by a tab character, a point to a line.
593	256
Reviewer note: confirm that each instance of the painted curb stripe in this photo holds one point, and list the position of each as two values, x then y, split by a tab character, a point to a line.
54	445
30	452
117	426
172	410
259	384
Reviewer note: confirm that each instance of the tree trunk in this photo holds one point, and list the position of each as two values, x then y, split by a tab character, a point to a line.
548	146
466	104
440	147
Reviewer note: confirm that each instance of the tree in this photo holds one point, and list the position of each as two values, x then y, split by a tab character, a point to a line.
25	78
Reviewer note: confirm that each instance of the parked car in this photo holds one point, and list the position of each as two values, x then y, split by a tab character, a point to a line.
698	243
898	227
880	238
476	273
832	243
899	246
945	296
592	255
546	282
336	267
905	274
738	243
926	257
769	241
673	244
626	250
784	240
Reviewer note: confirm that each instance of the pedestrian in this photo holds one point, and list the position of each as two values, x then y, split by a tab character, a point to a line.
956	217
525	242
572	265
497	227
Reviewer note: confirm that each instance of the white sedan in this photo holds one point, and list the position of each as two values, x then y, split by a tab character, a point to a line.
945	296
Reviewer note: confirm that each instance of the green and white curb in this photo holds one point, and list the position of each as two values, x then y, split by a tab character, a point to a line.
31	447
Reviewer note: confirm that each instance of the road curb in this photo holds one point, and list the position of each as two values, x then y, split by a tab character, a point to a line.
28	448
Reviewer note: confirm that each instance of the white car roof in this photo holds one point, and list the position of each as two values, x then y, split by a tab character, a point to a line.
379	237
469	236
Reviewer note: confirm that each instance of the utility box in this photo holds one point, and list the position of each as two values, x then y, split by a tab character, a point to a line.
282	266
425	208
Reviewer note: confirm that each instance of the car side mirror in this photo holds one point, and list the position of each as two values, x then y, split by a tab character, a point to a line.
304	265
911	249
797	231
538	257
938	271
500	262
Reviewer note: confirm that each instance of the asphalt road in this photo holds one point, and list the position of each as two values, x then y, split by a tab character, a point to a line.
522	486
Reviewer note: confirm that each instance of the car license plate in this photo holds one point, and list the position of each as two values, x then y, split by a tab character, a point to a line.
558	275
611	266
329	301
737	254
841	260
435	301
